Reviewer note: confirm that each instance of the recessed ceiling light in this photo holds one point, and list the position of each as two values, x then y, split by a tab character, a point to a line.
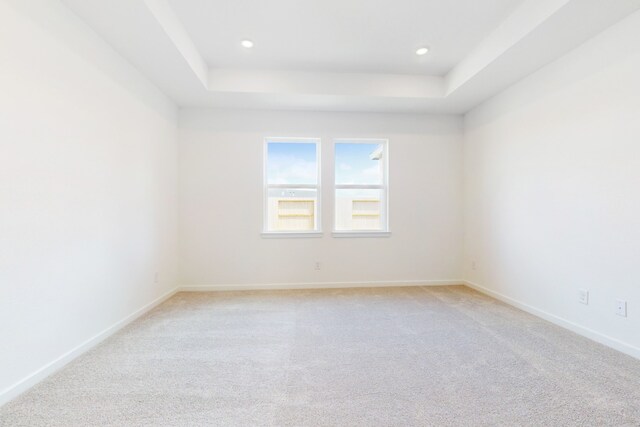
247	43
422	51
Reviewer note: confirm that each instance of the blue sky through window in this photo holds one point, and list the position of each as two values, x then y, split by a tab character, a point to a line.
292	163
353	165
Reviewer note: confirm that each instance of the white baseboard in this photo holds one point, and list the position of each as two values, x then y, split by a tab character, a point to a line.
574	327
316	285
26	383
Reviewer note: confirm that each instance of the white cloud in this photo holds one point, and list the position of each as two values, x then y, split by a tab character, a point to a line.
372	171
291	170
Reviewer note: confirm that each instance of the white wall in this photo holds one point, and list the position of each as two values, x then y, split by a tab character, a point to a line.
221	198
552	188
88	180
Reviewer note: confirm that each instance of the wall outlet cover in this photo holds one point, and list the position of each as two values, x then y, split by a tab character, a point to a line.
621	307
583	296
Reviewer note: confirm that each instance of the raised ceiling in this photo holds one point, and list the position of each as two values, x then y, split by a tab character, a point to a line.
355	36
355	55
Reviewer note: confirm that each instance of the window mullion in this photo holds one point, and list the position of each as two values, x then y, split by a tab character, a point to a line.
305	186
358	187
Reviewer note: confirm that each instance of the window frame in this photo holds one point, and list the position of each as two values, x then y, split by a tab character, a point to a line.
384	187
317	232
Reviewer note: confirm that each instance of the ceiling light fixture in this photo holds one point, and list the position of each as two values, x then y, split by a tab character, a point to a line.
422	51
247	43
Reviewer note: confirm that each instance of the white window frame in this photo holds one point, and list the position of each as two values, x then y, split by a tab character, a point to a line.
384	187
266	187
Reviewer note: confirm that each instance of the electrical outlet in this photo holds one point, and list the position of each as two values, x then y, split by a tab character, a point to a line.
156	277
583	296
621	307
473	265
317	265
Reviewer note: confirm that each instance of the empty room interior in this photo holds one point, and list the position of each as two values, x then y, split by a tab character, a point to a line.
319	213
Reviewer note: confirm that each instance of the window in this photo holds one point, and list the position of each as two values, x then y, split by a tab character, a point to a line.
361	185
291	185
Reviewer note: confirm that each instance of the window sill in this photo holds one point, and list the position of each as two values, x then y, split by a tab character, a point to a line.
290	234
361	234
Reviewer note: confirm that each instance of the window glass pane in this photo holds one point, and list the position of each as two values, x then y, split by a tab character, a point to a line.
358	163
292	163
359	210
292	209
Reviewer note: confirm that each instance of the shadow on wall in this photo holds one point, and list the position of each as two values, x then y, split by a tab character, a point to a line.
103	61
335	123
563	73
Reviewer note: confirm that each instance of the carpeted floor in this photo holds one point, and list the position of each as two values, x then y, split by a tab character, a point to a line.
350	357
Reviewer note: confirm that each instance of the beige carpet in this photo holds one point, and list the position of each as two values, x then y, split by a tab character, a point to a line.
351	357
